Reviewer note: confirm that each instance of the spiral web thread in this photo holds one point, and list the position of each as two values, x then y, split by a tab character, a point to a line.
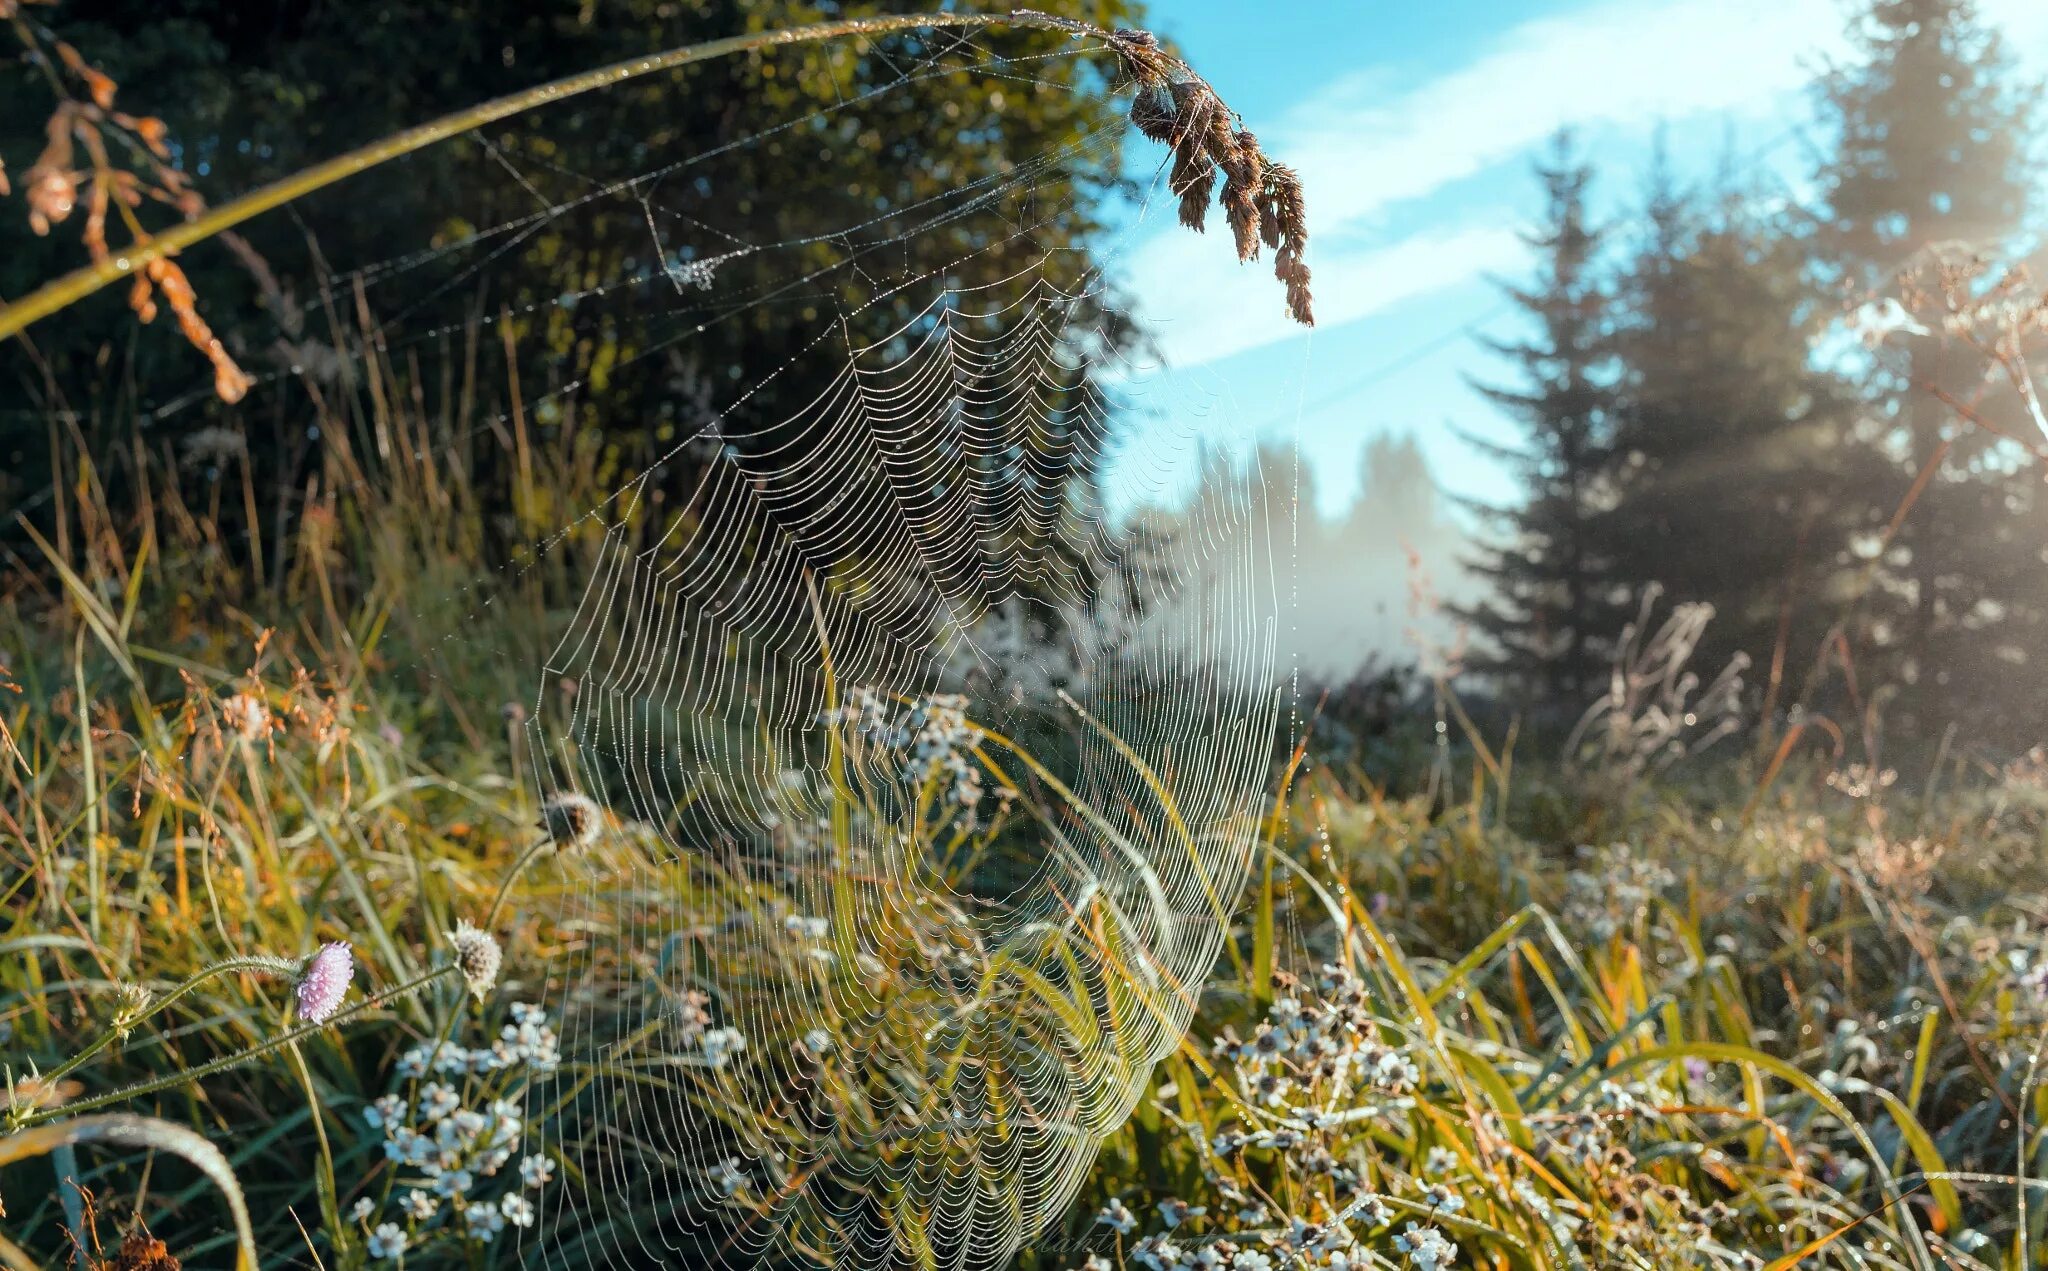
925	789
806	1044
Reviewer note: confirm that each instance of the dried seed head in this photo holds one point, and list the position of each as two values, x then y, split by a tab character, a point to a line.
1290	211
131	1003
1152	115
1201	138
141	1251
230	382
477	957
1141	57
1262	199
1244	182
324	982
571	820
248	715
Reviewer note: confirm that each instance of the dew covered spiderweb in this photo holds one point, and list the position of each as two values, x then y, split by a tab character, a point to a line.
925	777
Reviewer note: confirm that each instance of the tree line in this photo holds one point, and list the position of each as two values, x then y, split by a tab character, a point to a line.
1866	516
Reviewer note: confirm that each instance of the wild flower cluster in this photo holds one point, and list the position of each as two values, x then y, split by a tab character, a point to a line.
933	733
453	1127
698	1039
1309	1082
1611	890
1338	1157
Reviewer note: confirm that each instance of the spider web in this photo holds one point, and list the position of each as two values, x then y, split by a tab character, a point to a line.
928	782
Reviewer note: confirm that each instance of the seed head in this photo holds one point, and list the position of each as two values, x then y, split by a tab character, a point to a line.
1201	137
571	820
325	982
248	715
1141	56
141	1251
1152	115
1244	178
477	956
1285	208
131	1003
1261	199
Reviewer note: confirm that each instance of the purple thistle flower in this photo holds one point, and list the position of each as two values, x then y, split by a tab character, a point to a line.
325	982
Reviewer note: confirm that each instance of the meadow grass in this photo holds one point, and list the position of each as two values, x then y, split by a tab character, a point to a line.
1743	1013
1551	1020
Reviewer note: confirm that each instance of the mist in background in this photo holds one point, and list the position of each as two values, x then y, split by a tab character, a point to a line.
1363	589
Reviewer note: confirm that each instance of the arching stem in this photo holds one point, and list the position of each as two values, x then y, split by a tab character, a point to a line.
257	1051
526	858
81	283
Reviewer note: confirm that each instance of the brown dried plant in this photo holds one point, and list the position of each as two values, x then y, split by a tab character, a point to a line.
138	1251
1262	199
1953	291
111	162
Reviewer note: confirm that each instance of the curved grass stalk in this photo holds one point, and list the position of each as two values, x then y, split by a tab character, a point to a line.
75	286
254	962
63	1112
128	1130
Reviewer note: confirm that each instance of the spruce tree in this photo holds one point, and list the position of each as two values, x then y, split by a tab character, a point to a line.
1935	135
1734	480
1551	606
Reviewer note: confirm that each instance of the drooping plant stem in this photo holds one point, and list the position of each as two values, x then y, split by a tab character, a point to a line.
80	283
243	1056
254	962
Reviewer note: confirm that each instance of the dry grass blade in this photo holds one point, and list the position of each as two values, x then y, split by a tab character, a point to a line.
148	1133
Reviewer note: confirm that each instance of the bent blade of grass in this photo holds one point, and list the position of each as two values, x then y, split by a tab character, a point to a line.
123	1129
1480	956
1819	1243
1933	1167
1790	1074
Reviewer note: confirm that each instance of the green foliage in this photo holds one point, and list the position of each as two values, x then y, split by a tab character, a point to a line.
773	170
1739	481
1797	1034
1936	160
1551	604
1864	520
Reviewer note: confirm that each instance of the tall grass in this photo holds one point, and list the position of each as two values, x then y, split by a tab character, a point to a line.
232	729
1805	1034
1763	1014
1800	1032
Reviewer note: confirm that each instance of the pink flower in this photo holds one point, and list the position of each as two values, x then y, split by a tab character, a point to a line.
325	982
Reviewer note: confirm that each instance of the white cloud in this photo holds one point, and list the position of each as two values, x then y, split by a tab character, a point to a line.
1204	307
1363	147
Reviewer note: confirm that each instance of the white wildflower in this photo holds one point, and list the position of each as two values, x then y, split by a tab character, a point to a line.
388	1241
1117	1218
536	1171
1427	1248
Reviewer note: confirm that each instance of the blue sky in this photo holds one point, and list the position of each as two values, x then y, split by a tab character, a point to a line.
1414	126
